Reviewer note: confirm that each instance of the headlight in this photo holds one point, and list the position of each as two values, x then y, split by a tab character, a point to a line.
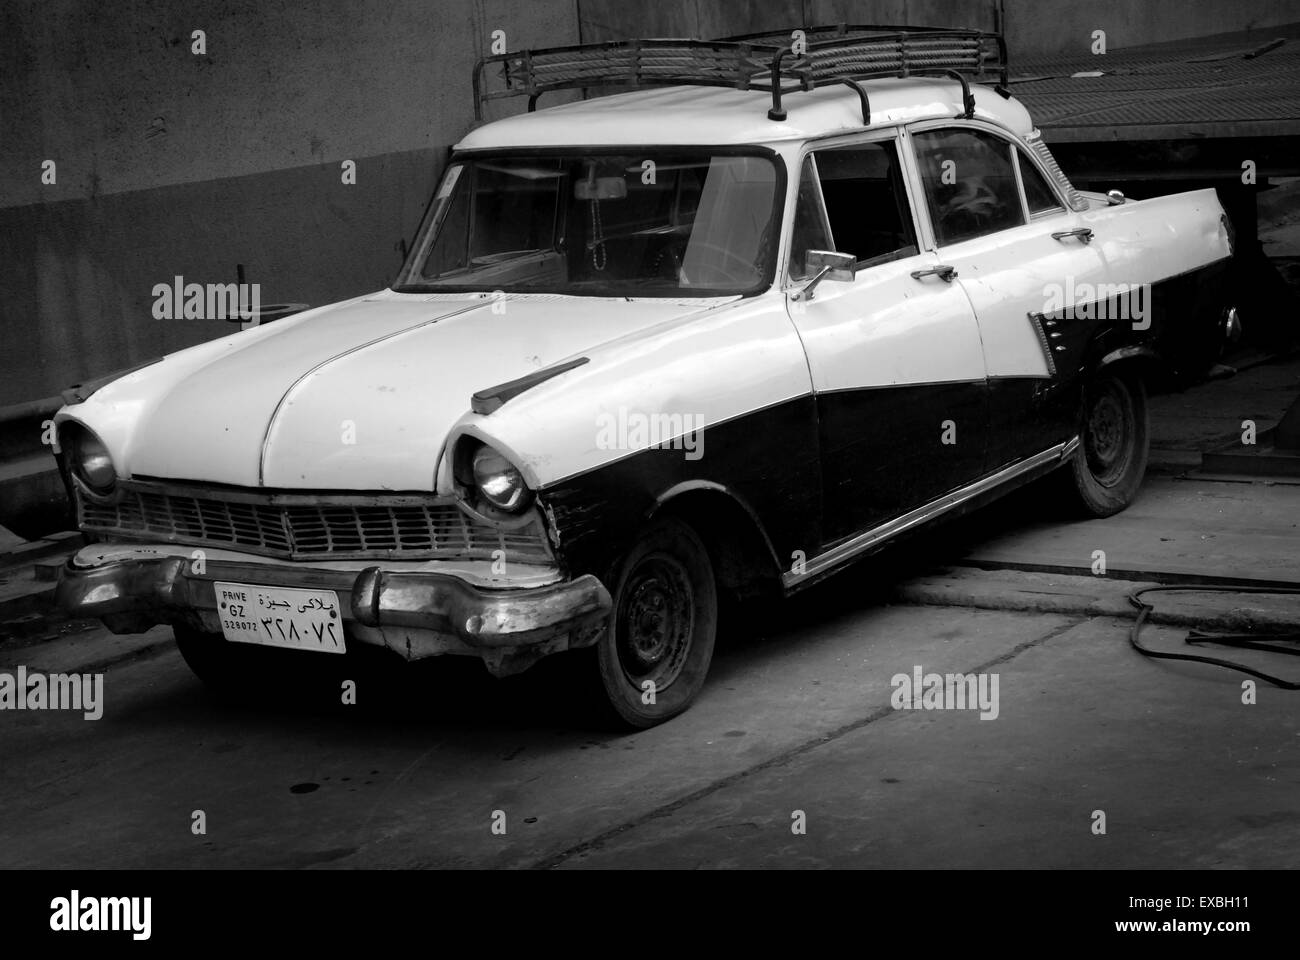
499	481
88	458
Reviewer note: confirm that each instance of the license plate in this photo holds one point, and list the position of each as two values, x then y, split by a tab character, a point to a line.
280	616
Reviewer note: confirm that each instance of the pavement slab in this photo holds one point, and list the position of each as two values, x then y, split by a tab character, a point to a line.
1210	414
798	720
1178	529
411	777
1185	774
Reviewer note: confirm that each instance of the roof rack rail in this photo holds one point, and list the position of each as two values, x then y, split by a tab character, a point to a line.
842	54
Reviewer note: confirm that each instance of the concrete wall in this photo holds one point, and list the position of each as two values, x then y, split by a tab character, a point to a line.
615	19
1040	27
1033	28
170	163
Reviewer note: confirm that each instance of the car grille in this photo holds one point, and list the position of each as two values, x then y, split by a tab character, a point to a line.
303	526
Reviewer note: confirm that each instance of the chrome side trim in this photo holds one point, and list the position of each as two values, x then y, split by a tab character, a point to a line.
1038	322
934	509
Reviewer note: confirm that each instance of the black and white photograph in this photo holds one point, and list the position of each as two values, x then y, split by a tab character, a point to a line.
789	436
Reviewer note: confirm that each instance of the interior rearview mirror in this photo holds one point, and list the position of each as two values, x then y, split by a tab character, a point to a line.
600	188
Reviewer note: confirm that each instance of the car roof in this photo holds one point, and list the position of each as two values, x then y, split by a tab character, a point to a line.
684	115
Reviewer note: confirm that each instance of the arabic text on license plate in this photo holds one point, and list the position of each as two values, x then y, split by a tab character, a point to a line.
280	616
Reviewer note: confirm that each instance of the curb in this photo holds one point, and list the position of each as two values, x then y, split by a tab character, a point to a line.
83	650
33	568
1083	596
1136	579
64	542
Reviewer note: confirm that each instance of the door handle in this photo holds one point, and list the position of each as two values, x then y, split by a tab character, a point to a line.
1083	233
942	271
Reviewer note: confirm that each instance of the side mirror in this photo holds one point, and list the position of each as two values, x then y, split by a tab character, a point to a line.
828	265
838	266
1114	197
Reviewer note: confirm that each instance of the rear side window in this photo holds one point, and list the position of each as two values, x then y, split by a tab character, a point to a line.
970	183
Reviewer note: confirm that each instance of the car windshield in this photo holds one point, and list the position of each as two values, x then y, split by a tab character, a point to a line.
636	225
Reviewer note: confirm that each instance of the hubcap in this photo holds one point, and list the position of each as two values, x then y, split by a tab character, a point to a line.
656	618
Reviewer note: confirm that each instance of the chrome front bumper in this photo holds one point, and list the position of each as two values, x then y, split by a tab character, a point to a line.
416	613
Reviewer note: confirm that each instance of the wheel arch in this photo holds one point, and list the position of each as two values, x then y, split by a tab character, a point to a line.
1135	360
743	556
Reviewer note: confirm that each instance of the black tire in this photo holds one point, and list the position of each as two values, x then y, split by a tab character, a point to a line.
245	669
1108	467
662	627
211	658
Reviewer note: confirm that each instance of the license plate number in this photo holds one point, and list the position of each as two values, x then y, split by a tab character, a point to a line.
280	616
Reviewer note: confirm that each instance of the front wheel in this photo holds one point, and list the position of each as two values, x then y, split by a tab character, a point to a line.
231	669
656	649
213	659
1108	466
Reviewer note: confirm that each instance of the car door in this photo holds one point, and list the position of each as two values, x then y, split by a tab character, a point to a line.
1027	265
894	354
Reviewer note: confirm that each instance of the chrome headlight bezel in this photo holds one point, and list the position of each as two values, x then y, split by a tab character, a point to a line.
489	484
88	458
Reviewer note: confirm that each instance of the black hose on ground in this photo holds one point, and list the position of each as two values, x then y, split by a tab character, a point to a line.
1246	641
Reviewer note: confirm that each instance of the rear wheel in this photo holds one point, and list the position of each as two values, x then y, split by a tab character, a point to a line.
657	646
1108	467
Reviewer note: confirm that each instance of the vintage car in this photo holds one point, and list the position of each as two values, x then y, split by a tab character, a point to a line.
787	299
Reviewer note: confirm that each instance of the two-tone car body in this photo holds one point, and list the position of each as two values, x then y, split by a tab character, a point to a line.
647	347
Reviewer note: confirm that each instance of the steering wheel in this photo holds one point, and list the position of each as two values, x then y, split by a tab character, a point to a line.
741	280
973	202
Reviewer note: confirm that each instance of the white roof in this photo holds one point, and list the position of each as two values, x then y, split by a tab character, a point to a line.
722	115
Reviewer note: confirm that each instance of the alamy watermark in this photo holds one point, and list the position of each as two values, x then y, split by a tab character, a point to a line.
179	300
1099	301
635	430
56	691
946	691
75	913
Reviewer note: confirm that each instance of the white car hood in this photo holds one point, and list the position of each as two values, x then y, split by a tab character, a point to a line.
357	396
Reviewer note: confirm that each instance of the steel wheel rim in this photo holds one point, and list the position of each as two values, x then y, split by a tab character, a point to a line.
1108	434
655	621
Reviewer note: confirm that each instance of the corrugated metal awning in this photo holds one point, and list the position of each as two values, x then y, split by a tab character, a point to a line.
1222	86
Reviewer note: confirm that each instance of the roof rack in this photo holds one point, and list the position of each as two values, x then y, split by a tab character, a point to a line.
842	54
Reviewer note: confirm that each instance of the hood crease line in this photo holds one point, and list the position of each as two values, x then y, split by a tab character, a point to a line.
275	414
